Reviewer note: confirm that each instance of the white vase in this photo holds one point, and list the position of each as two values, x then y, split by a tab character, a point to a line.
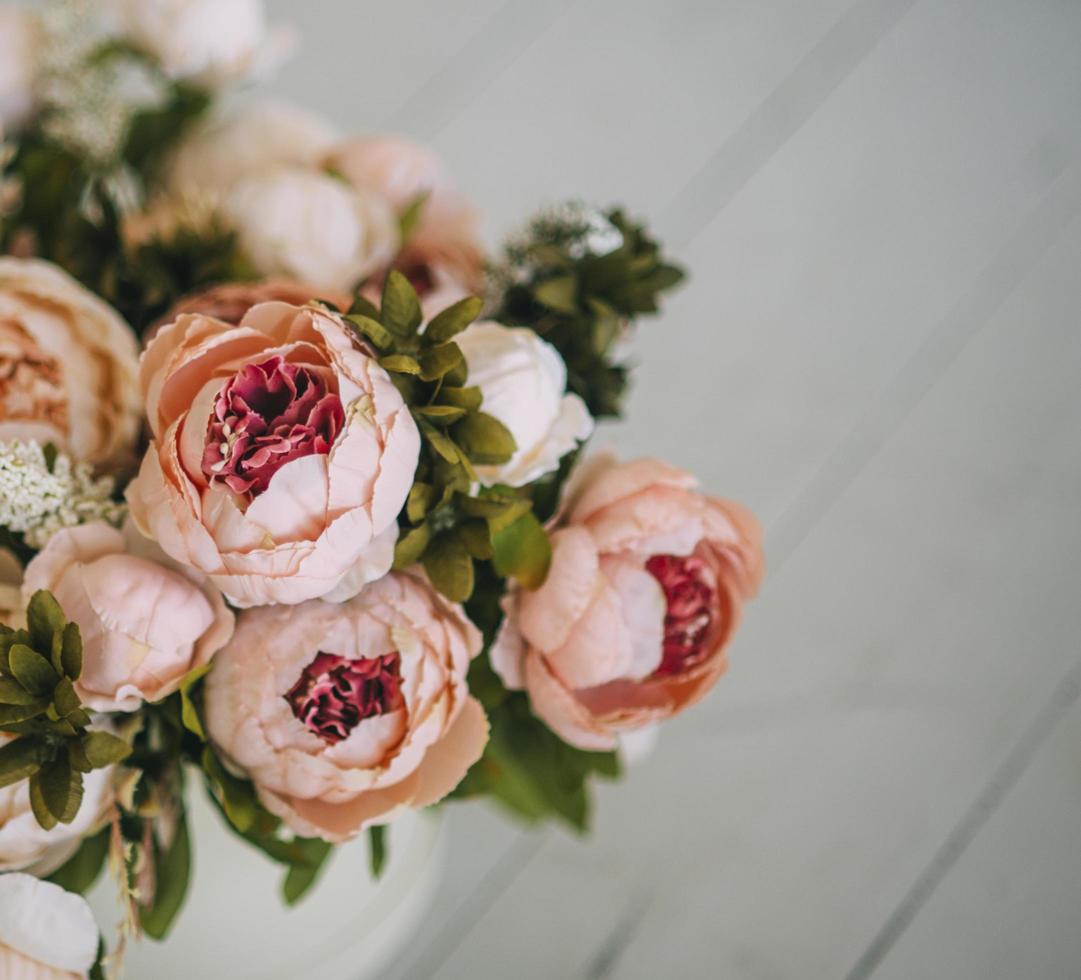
235	925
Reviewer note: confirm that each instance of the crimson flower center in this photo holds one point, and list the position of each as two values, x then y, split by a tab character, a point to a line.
333	694
266	415
692	609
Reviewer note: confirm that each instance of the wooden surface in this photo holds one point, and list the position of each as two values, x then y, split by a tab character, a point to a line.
880	352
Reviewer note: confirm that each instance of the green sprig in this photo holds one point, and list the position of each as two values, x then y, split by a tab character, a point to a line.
53	747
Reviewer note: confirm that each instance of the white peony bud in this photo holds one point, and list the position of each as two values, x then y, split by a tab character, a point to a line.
312	227
19	41
257	139
523	380
46	933
207	41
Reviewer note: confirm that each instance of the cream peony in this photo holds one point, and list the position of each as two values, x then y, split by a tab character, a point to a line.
145	624
343	714
68	365
523	380
646	588
445	243
311	226
19	42
207	41
46	933
254	140
281	454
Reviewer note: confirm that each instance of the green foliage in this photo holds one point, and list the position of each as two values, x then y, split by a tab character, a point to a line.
580	300
236	800
526	768
377	842
82	869
38	704
172	874
444	526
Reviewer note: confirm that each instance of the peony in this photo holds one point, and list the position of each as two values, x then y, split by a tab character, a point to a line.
343	714
281	454
444	245
145	625
646	586
207	41
255	140
68	365
46	933
523	380
24	844
19	43
311	226
231	300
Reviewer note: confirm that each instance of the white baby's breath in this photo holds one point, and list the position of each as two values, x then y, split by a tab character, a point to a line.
37	500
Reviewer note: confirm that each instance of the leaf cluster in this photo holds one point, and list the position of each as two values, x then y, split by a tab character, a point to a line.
53	747
445	526
582	302
526	768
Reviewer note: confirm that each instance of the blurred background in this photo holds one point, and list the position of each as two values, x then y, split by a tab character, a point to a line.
879	351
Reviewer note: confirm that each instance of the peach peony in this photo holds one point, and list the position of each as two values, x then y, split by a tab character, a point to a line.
444	247
68	365
342	714
281	454
145	625
46	933
229	301
646	586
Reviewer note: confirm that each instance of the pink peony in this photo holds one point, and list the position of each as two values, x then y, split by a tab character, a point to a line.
229	301
444	247
342	714
46	933
281	454
145	624
646	587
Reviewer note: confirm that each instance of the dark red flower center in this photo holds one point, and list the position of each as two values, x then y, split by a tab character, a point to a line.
333	695
691	597
265	416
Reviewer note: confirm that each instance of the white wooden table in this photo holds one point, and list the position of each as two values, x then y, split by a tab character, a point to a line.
880	352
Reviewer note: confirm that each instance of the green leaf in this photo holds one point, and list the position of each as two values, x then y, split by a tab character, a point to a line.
476	538
559	294
13	714
442	444
189	714
421	498
436	362
304	874
411	215
377	849
411	545
522	550
65	700
80	872
440	414
380	337
44	617
20	759
12	692
364	307
42	813
401	313
454	319
172	875
485	439
468	398
502	510
77	756
400	364
32	670
449	567
236	795
61	788
103	749
71	655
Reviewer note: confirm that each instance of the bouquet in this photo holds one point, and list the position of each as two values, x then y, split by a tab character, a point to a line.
295	498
